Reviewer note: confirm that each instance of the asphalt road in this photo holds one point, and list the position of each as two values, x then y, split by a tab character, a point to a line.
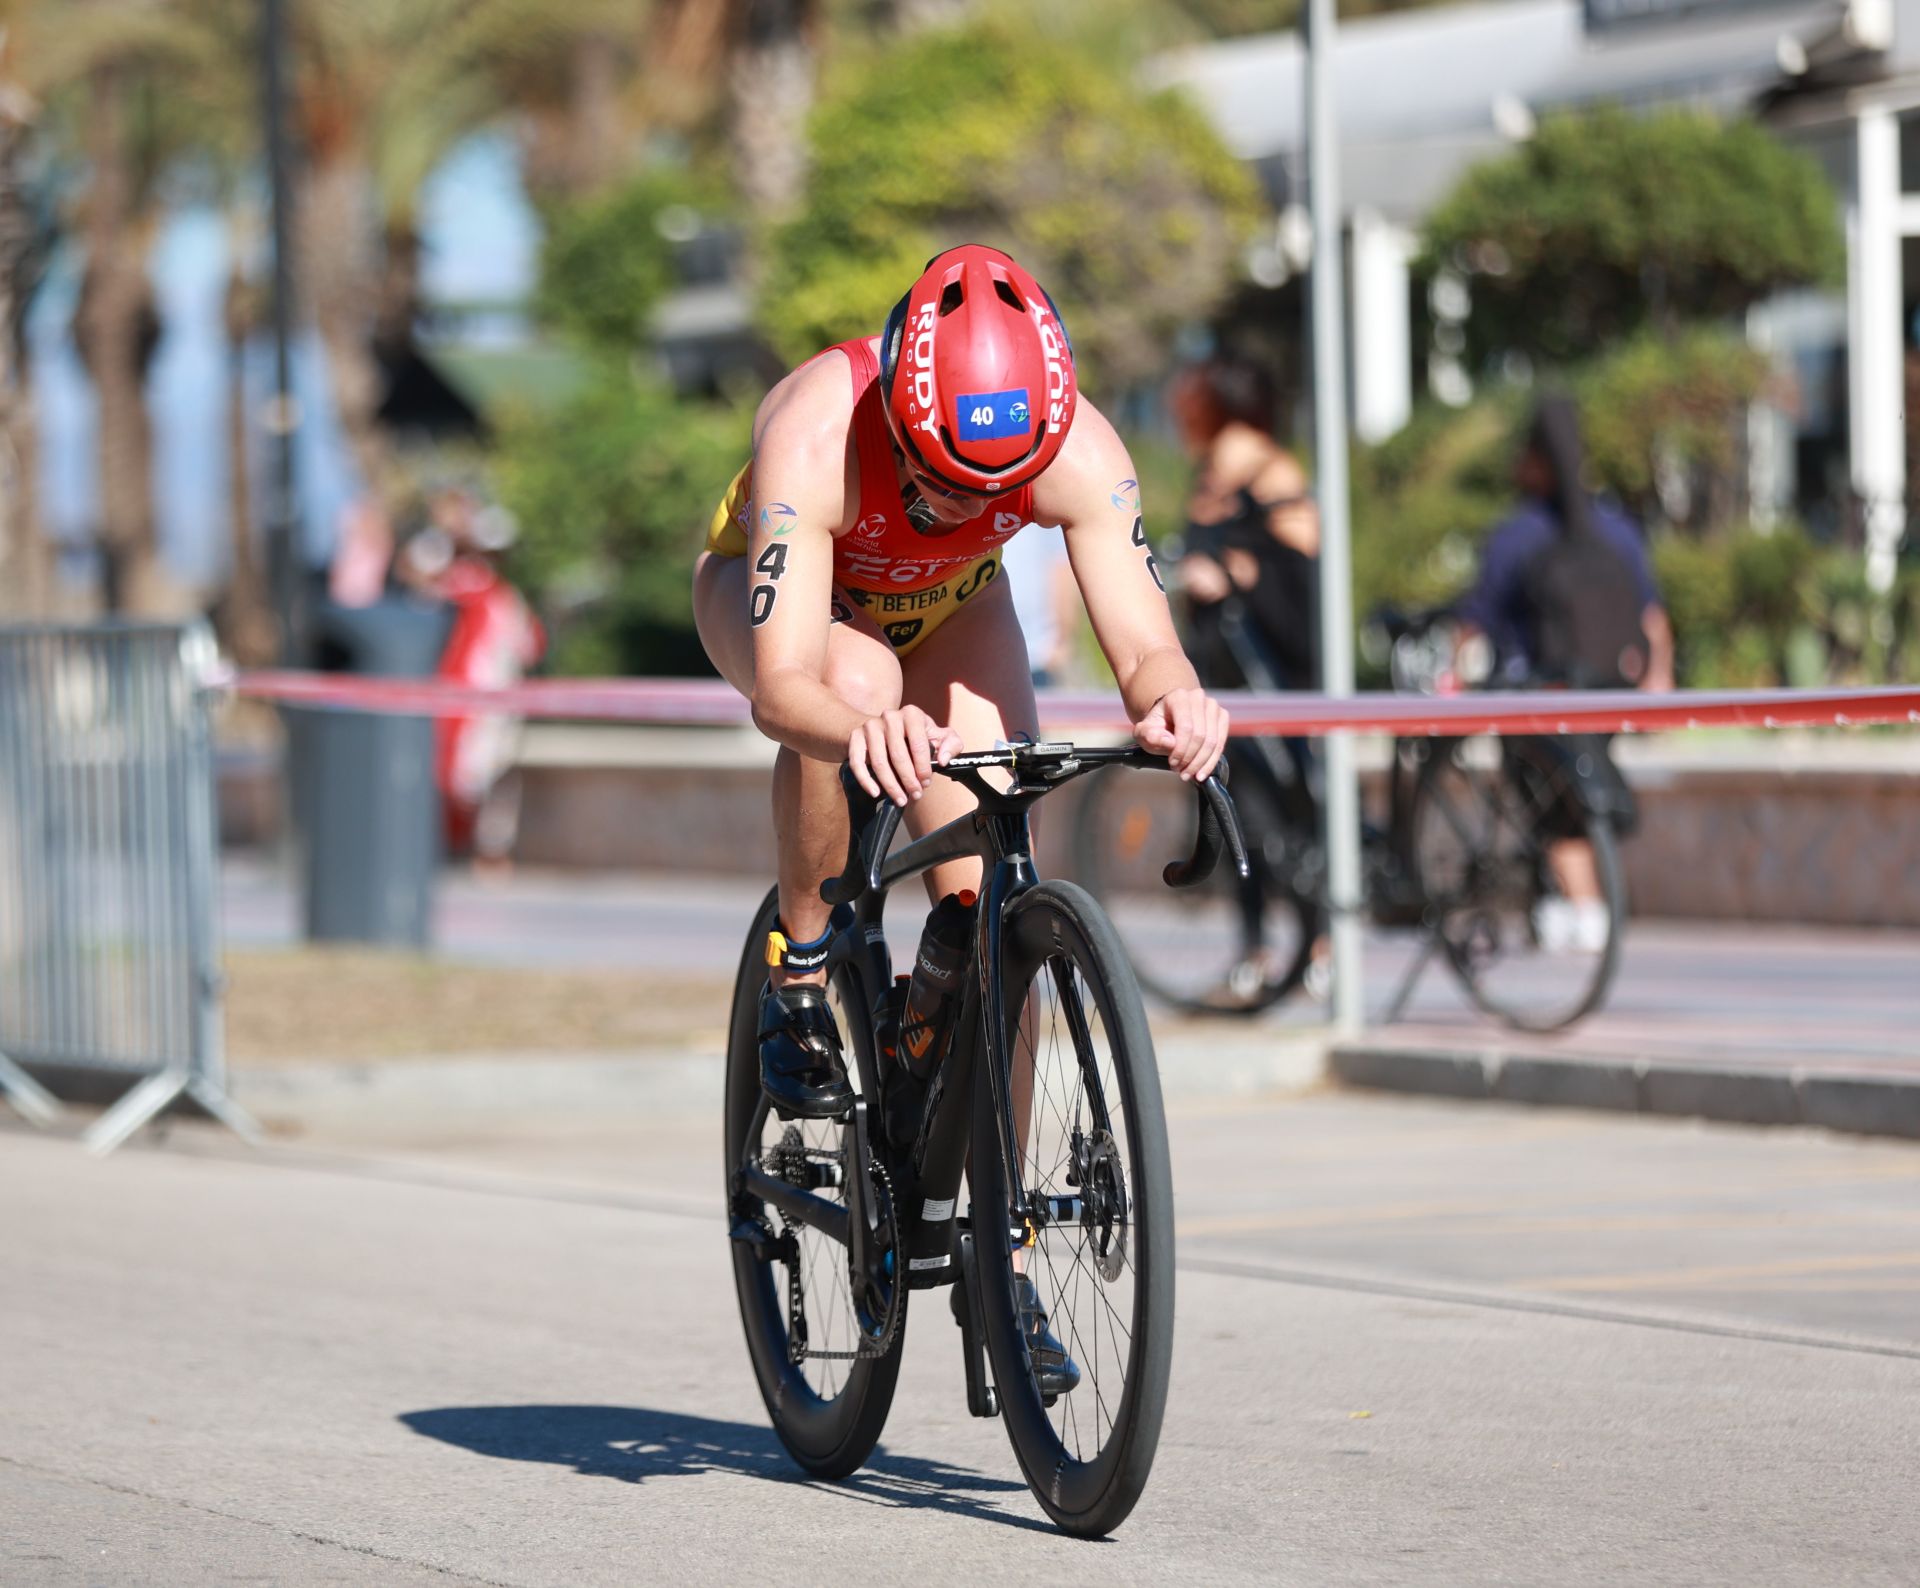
1417	1342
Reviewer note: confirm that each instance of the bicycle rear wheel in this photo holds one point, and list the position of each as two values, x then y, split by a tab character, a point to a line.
1226	946
1096	1228
793	1281
1485	841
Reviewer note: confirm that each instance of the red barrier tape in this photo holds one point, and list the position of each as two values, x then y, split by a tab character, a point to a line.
676	702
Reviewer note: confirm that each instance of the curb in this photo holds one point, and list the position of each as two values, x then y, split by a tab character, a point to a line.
1861	1104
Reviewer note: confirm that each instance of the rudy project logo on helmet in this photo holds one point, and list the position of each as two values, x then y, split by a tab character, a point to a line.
920	362
992	415
1053	349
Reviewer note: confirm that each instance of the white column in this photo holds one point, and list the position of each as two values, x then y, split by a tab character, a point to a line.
1382	326
1876	348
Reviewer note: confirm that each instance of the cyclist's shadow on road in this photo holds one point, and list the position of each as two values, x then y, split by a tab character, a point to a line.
638	1445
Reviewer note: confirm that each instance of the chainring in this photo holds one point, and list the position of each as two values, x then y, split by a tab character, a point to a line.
872	1345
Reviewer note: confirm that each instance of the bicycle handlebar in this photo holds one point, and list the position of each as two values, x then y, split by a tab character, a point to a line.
873	821
1219	827
869	837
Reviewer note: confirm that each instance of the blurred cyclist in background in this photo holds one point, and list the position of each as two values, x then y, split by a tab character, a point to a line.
1253	531
1247	571
1565	597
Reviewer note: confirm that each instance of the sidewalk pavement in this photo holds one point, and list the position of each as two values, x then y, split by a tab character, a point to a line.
1760	1025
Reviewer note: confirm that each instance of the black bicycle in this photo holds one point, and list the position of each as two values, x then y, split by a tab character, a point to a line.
1048	1100
1479	840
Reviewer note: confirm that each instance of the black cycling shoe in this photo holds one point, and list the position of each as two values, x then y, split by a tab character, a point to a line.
1054	1372
801	1070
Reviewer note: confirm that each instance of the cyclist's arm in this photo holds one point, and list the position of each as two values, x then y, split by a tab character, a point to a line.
799	499
1659	631
1093	493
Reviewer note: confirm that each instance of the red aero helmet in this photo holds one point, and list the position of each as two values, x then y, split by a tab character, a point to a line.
976	373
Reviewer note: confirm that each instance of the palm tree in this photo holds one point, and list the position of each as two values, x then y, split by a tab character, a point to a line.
562	69
756	59
25	572
384	92
111	72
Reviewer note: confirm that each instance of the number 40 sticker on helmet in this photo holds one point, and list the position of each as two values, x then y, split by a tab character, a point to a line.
992	415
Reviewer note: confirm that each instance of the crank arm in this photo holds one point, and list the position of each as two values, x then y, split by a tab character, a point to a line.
983	1400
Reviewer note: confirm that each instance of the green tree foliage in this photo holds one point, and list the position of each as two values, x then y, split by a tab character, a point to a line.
1607	222
608	261
1423	500
1661	421
1125	204
613	491
1762	610
614	486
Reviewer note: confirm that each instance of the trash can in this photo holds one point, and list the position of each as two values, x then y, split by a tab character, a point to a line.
364	799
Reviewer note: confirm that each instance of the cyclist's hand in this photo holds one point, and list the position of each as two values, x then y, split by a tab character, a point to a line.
1189	728
895	753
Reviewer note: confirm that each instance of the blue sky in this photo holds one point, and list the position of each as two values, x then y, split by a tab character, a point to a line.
482	243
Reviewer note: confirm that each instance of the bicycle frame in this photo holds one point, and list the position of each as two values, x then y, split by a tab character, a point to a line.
998	833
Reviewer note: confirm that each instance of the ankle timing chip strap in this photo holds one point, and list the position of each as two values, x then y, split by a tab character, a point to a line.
785	954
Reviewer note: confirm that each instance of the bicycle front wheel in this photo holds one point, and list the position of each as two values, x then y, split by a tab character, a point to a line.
806	1319
1085	1210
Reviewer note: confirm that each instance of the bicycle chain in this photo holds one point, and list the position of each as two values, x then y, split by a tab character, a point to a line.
798	1350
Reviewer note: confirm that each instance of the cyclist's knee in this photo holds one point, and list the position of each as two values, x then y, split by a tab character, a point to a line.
865	677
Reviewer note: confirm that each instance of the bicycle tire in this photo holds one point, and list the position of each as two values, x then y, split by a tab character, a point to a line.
829	1435
1184	948
1592	984
1051	923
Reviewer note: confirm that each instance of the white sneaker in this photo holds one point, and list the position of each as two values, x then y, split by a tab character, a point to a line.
1318	982
1592	924
1554	924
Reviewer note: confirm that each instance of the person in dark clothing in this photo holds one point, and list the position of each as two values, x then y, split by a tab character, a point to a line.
1247	572
1253	531
1547	473
1505	608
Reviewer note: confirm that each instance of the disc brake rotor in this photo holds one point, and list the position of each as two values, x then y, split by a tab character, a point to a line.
1104	1183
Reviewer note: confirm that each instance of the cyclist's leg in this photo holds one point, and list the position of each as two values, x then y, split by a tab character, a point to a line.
970	673
809	808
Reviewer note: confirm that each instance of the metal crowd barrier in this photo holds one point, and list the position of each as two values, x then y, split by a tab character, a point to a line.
109	937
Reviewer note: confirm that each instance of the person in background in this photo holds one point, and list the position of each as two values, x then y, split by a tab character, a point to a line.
494	640
1247	572
1046	601
1253	531
1565	595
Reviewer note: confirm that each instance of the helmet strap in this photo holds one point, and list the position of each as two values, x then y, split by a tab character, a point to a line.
918	509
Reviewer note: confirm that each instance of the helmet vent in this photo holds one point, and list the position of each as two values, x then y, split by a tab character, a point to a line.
1007	295
951	297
